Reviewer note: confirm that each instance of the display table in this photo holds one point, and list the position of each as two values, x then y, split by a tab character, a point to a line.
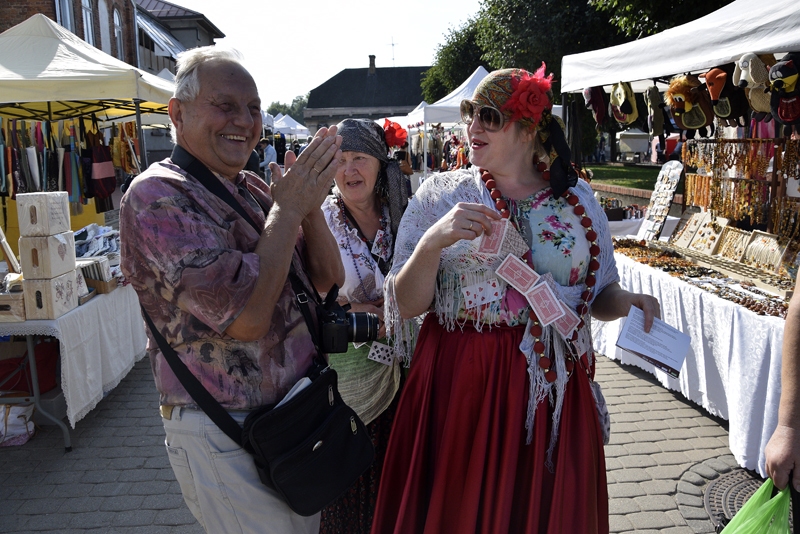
733	368
631	227
100	342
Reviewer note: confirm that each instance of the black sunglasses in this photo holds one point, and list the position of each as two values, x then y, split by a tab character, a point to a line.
491	119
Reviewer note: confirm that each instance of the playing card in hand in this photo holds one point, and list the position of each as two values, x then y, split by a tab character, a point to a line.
491	244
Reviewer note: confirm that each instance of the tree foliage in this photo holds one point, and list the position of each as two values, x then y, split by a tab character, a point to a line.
295	111
637	18
523	33
455	60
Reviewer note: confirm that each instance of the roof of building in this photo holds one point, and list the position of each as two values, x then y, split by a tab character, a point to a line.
166	11
167	44
357	88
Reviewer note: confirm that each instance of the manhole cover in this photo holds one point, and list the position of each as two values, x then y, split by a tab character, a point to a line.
727	494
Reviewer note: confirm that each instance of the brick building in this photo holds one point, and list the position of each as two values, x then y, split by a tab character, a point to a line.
109	25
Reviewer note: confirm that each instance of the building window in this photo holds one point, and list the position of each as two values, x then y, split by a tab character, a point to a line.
65	14
119	36
88	22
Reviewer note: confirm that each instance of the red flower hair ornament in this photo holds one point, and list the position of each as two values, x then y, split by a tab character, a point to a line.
530	97
394	133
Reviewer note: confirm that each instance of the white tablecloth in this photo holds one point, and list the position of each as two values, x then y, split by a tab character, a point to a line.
631	227
734	363
100	342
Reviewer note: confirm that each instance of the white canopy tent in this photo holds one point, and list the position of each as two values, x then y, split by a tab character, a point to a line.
758	26
48	73
288	126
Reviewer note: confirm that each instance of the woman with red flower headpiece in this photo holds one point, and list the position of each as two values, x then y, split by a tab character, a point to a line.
498	429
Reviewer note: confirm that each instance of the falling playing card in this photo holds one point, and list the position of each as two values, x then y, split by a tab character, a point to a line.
566	324
491	244
545	304
381	353
478	294
517	273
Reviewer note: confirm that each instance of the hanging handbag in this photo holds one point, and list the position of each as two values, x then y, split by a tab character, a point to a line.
311	447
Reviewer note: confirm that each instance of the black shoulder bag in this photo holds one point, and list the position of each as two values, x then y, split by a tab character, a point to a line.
312	447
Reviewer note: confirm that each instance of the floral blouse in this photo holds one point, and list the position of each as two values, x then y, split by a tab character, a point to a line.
558	246
363	278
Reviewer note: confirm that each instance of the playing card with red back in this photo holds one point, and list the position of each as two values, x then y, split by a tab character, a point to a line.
517	273
566	324
545	304
491	244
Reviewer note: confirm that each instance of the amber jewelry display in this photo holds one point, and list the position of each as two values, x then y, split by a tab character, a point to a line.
763	251
790	166
706	238
732	243
694	224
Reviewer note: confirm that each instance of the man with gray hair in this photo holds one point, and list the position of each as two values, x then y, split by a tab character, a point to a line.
213	277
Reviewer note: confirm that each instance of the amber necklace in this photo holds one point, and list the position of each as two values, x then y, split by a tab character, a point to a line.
594	265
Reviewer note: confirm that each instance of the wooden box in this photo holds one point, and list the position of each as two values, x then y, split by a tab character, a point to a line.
44	257
102	287
43	213
12	307
50	299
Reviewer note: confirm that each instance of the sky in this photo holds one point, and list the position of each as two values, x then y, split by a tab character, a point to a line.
292	46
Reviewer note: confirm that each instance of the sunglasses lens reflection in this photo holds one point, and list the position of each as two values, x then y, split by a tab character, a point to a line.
491	119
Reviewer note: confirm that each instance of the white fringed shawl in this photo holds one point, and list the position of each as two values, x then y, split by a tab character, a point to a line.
461	265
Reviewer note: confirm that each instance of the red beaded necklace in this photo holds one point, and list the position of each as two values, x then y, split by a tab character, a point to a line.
594	265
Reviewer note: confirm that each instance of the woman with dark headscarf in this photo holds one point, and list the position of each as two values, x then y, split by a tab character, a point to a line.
363	214
497	429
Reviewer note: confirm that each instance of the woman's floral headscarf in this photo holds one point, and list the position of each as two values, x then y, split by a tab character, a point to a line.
527	98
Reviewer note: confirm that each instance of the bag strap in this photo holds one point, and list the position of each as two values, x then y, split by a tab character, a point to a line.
194	388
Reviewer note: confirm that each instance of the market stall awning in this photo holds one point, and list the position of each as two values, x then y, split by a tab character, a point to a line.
48	73
759	26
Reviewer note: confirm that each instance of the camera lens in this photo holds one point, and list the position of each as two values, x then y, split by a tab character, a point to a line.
363	327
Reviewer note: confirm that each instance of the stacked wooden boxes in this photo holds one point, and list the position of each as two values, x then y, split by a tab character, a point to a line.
47	255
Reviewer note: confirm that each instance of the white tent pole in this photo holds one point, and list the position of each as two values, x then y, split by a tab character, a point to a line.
425	148
142	148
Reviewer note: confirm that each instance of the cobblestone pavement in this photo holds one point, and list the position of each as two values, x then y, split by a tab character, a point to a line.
117	479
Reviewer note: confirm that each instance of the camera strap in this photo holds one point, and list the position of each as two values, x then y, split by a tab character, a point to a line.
199	394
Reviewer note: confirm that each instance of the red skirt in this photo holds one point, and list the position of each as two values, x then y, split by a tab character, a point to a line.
457	461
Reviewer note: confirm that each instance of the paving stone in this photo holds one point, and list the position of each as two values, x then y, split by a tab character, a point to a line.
676	517
625	489
42	521
623	506
655	503
677	530
718	465
121	503
671	458
162	502
96	477
631	475
80	504
93	520
659	487
174	517
613	451
689	500
619	438
674	445
700	527
648	435
701	455
134	518
705	472
637	460
618	523
150	487
642	448
692	477
37	506
654	520
685	488
630	417
693	512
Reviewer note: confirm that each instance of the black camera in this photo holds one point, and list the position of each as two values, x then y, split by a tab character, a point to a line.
339	327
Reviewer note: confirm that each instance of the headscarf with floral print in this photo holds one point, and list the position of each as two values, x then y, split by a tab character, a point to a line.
527	98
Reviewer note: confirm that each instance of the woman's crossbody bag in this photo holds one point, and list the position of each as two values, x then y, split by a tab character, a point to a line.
310	448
